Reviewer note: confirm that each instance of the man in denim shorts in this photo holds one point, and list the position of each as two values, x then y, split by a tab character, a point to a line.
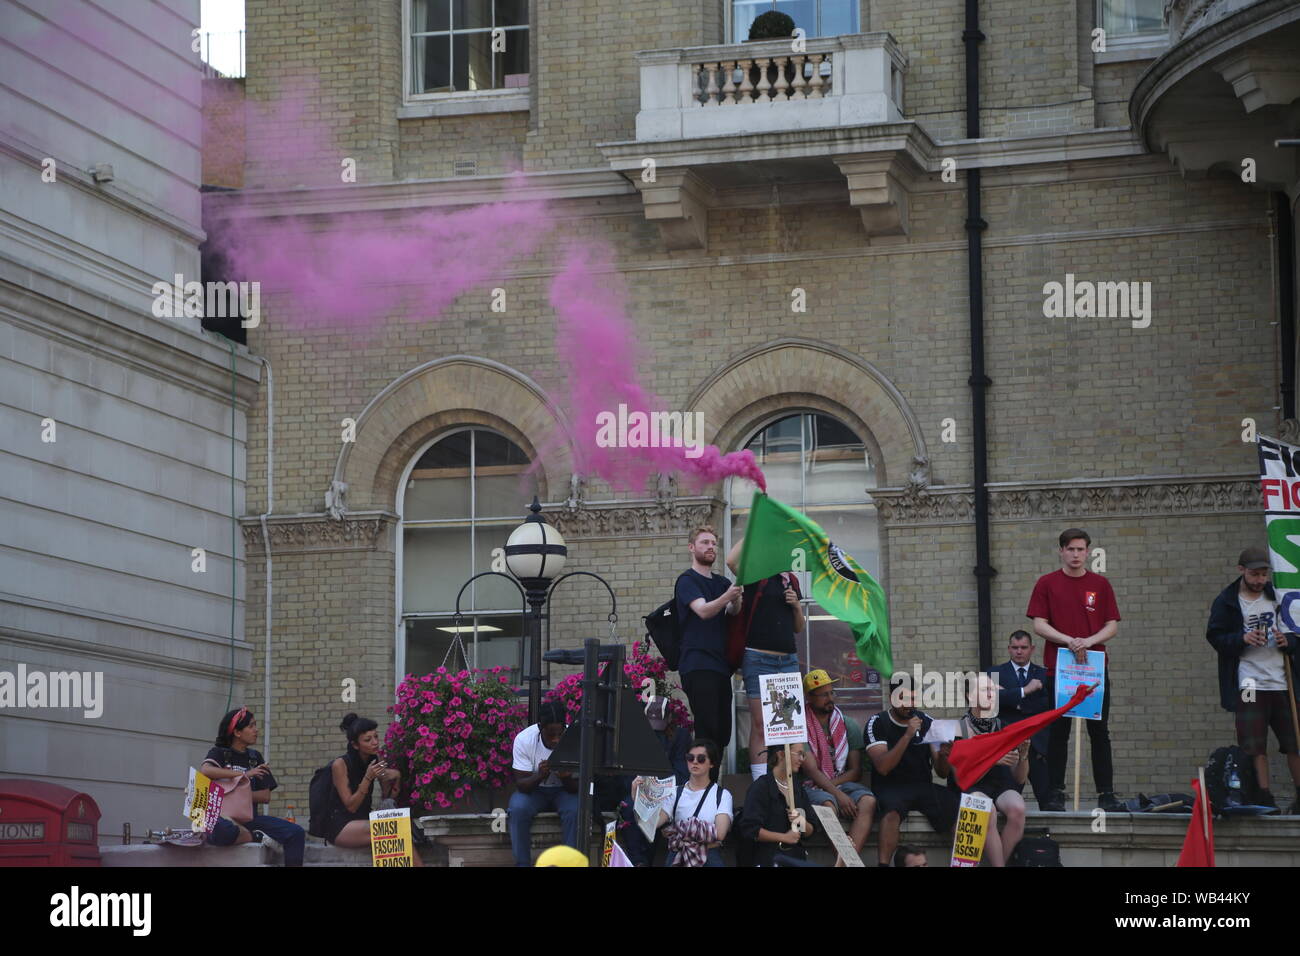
834	766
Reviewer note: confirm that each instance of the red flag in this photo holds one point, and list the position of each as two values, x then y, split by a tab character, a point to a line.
971	759
1198	845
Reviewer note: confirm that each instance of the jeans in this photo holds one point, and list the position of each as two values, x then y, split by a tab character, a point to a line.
289	835
1058	744
524	806
756	663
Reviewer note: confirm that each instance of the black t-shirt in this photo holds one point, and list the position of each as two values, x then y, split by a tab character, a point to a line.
704	643
914	767
232	759
771	619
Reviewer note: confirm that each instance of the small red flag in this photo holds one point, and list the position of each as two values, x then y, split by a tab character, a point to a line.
1198	845
972	759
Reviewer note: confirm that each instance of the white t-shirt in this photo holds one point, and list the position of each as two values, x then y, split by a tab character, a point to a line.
719	802
1262	665
530	751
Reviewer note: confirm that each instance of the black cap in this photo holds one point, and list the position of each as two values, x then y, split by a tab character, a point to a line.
1252	559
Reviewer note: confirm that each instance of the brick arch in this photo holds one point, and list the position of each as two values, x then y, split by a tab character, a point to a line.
793	373
457	390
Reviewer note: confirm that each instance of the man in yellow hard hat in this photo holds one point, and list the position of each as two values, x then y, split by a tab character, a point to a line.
833	769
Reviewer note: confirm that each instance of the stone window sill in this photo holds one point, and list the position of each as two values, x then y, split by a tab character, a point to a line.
465	104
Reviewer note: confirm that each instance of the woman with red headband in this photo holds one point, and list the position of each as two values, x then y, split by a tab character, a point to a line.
232	757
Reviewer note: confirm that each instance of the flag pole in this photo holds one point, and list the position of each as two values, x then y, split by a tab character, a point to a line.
1078	754
1205	804
1290	688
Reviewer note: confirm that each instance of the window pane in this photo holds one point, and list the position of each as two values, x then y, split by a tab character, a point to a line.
491	593
512	65
839	17
504	495
472	61
493	449
471	14
1127	17
778	450
853	529
835	466
498	642
803	12
435	563
428	498
431	64
743	13
451	452
512	13
429	15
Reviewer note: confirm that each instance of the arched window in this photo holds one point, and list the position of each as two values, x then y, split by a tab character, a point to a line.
816	463
463	495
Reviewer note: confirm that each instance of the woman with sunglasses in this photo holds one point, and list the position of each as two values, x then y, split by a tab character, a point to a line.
699	812
232	757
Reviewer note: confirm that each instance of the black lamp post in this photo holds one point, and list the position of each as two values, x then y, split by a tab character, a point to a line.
535	555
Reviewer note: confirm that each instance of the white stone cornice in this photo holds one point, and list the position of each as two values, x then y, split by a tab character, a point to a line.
70	175
156	347
573	184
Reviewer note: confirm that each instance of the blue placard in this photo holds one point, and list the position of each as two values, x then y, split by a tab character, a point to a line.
1070	674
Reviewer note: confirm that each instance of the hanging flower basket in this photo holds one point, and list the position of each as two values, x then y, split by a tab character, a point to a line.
452	738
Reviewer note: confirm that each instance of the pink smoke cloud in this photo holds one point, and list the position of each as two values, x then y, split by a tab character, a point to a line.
594	343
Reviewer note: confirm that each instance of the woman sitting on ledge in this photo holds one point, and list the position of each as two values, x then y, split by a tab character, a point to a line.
232	757
354	776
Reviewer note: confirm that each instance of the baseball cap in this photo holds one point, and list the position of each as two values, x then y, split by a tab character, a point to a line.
1253	558
815	679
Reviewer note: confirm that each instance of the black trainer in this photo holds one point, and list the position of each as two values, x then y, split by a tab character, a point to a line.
1264	798
1111	803
1055	802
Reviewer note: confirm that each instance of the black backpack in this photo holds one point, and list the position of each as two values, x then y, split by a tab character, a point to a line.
664	627
1036	851
1230	779
321	797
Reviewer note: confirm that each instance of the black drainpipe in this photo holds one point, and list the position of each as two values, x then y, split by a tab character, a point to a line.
1286	300
979	382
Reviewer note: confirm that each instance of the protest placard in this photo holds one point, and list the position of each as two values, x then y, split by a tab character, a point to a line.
839	839
1070	674
390	838
974	816
202	804
942	731
784	720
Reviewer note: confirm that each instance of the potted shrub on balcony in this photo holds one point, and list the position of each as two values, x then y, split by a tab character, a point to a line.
452	738
772	25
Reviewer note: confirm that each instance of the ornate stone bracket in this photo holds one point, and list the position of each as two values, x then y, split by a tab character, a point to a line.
878	188
678	200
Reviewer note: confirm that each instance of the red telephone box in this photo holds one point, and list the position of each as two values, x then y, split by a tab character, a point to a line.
44	824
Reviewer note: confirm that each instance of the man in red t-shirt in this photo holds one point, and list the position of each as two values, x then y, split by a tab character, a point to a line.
1074	611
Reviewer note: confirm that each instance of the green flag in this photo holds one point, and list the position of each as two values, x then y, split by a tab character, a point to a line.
839	584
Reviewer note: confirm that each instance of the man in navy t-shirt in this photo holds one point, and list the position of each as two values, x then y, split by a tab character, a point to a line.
704	600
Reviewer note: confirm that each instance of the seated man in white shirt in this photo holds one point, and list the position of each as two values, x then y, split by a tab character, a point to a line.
538	788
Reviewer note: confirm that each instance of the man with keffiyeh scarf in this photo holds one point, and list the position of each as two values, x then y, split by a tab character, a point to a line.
834	766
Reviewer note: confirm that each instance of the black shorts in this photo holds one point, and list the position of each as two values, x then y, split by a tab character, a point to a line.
993	784
937	804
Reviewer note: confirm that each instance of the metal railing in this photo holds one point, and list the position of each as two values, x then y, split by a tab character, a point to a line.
226	49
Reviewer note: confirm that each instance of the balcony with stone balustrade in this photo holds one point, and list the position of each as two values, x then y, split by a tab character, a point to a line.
730	125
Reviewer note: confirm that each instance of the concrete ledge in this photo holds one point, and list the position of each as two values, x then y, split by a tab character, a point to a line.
163	854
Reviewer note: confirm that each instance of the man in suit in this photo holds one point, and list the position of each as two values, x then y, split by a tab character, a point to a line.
1023	693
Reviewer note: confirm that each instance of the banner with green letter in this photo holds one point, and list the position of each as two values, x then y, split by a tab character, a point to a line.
1279	479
